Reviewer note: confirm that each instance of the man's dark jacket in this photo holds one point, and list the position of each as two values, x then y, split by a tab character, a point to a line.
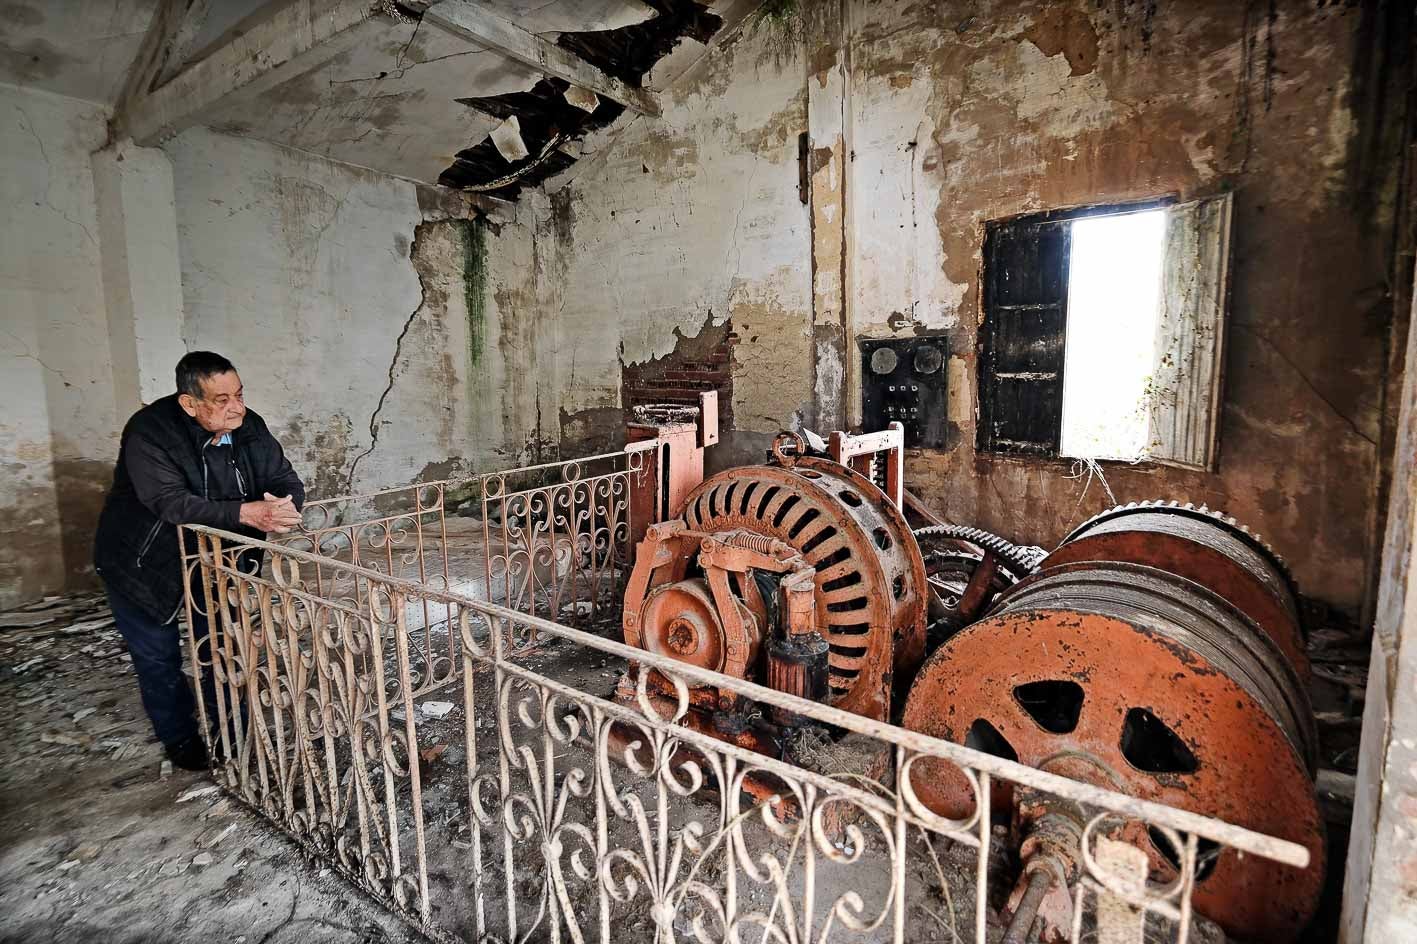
162	480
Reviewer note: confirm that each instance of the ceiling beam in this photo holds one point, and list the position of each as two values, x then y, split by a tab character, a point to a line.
184	38
297	36
165	47
483	26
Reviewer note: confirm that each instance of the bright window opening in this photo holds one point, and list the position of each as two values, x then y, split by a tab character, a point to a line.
1114	311
1103	333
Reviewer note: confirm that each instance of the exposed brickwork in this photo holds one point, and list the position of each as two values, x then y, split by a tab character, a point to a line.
696	364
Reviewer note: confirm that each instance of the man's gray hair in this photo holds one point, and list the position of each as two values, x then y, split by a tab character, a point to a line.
196	367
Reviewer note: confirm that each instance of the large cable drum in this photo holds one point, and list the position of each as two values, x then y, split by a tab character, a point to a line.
1204	546
1140	679
869	575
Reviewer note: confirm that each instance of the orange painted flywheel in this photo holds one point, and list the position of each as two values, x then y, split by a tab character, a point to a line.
1146	683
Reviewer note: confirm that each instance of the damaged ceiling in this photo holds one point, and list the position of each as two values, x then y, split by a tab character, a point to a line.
550	121
416	97
411	89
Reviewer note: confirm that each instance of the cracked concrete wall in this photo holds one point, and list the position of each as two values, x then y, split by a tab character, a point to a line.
377	328
681	222
59	432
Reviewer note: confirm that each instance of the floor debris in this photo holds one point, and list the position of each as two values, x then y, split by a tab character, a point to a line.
98	848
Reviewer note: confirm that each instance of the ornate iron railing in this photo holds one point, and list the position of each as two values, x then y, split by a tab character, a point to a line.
558	536
552	540
507	792
398	532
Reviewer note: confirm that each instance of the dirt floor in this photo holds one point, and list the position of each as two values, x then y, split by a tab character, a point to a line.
100	842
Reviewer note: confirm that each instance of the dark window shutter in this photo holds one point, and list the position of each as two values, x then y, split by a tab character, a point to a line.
1021	342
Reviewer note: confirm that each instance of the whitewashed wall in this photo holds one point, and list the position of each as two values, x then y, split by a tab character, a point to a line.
58	423
690	220
342	297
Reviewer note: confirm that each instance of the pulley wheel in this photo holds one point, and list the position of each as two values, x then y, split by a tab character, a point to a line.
1094	677
681	621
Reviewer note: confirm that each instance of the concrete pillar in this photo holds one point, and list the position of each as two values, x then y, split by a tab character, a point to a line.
828	125
142	272
1380	888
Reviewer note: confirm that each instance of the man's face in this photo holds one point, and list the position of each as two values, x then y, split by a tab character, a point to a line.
221	407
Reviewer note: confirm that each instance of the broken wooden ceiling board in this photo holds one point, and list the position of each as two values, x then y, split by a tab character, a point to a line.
507	137
552	126
481	25
686	55
630	52
414	89
72	47
692	48
542	112
538	16
584	99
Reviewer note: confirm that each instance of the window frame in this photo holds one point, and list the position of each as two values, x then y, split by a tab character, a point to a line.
986	443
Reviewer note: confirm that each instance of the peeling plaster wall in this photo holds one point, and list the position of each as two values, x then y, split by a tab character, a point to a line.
954	115
368	316
684	222
962	116
58	432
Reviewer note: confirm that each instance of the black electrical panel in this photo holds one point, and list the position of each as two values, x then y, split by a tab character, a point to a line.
903	380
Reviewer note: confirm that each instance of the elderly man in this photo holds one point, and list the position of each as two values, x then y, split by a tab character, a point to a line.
195	457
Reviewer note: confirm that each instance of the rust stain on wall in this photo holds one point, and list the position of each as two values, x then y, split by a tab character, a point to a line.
1068	30
772	382
1050	105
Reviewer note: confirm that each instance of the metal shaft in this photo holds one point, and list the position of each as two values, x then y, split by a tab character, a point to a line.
1039	881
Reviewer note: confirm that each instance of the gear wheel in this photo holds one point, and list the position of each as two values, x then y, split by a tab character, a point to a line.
1207	547
1020	559
968	568
1187	509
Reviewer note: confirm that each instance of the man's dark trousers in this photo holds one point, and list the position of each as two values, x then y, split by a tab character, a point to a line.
157	659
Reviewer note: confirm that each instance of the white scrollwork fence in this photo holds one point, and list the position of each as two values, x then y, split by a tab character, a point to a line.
552	540
558	536
509	792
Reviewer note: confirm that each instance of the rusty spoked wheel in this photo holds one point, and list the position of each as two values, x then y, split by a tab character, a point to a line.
1145	683
967	569
869	573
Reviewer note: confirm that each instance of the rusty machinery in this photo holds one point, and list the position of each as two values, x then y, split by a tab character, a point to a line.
1157	651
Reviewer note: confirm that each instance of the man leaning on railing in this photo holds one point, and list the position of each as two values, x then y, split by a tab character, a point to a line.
197	456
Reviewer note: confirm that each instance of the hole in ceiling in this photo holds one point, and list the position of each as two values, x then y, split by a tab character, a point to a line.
549	123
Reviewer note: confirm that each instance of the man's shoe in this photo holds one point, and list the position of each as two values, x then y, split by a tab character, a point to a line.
190	754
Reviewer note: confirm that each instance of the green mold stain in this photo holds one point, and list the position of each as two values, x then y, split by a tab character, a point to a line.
474	252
